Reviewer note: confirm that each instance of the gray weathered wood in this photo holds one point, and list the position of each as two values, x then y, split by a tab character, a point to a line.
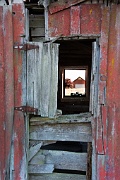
33	150
45	80
40	160
72	118
44	143
58	176
27	24
49	80
37	23
53	80
62	132
33	76
41	77
36	17
38	31
30	77
62	159
94	78
36	169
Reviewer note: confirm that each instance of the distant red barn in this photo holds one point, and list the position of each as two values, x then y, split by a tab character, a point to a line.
79	83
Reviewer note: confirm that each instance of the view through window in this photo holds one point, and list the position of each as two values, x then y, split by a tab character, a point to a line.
75	82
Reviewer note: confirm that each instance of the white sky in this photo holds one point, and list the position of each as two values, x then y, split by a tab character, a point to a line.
74	74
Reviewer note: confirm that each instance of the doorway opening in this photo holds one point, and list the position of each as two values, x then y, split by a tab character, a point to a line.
75	60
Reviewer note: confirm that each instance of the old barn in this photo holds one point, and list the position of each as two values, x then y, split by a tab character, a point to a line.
46	134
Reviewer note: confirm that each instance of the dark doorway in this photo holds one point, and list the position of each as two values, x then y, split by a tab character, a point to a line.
75	59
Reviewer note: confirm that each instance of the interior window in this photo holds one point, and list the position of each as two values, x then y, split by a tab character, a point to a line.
74	82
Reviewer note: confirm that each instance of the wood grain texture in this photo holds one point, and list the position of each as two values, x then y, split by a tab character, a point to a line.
62	132
63	159
42	70
33	150
58	176
72	118
36	169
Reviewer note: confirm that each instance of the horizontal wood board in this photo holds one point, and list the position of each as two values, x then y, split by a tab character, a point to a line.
44	168
62	132
72	118
58	176
61	159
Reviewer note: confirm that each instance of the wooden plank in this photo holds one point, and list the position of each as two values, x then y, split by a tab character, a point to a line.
27	24
90	19
30	77
48	94
33	76
36	17
38	160
62	132
72	118
58	176
36	169
61	5
53	80
33	143
45	80
37	23
33	150
63	159
75	20
89	162
37	39
38	31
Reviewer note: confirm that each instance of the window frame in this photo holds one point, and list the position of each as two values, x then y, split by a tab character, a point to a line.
62	84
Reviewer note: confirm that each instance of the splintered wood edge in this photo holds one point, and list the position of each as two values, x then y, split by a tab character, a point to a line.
72	118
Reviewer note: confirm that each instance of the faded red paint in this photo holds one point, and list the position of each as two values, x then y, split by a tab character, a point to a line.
19	126
113	95
102	120
101	20
9	82
81	19
61	5
59	23
75	20
90	19
101	170
2	100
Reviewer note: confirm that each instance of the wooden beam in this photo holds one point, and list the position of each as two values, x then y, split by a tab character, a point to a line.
62	132
58	176
72	118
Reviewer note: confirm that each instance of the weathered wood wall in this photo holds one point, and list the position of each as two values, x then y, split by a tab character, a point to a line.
89	20
82	20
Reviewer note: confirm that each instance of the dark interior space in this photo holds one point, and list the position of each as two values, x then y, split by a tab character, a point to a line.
69	146
74	54
34	7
